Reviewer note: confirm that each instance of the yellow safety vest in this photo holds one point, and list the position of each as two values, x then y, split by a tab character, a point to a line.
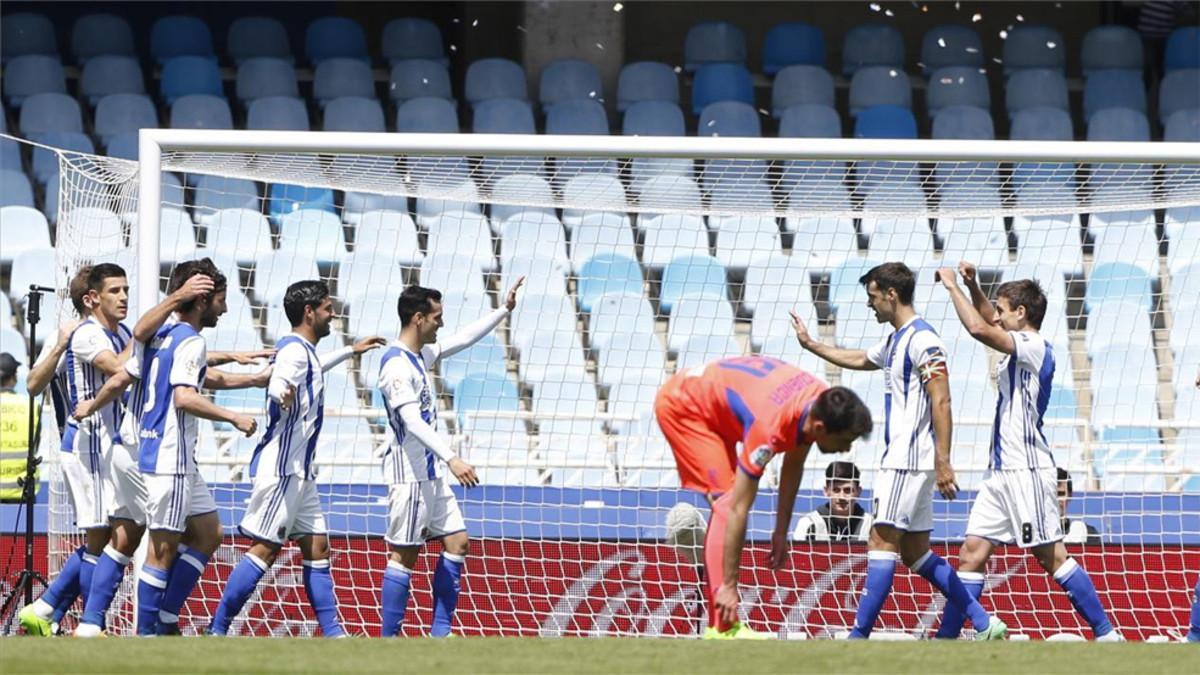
14	443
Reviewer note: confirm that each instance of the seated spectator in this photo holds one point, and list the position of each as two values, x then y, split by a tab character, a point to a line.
842	518
1074	532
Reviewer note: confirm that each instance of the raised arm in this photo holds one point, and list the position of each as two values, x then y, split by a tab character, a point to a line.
330	359
152	320
987	332
745	488
854	359
475	330
47	364
979	299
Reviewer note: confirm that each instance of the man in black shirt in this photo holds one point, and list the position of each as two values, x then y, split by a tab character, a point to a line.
841	518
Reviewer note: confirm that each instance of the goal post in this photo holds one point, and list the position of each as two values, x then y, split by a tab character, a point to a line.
646	255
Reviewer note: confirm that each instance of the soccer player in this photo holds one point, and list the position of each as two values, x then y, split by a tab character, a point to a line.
96	349
178	501
1017	502
1194	631
284	503
420	503
916	457
841	518
1074	531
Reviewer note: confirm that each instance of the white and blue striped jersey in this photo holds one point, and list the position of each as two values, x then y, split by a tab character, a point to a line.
175	357
135	397
403	379
1024	381
909	357
88	341
289	443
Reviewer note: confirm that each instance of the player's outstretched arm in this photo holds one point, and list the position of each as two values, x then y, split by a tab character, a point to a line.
789	484
219	379
474	331
854	359
331	359
745	488
248	358
980	328
193	402
113	387
43	371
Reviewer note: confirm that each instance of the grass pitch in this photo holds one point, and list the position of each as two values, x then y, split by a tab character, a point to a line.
572	655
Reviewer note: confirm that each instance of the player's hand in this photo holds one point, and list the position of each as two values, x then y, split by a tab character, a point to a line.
727	603
779	550
946	276
193	288
83	410
968	272
64	332
367	344
288	397
465	473
510	300
249	358
802	335
946	483
246	425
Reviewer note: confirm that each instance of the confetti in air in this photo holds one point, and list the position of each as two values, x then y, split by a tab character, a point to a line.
888	12
475	23
1051	44
1020	18
976	18
941	42
875	7
618	7
599	46
1003	35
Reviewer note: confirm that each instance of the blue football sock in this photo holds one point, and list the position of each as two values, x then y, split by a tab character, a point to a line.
65	588
152	581
881	568
241	584
110	569
186	571
446	587
1194	633
318	584
397	579
1078	585
934	569
952	616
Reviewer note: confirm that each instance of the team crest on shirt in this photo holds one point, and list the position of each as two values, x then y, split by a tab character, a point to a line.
761	456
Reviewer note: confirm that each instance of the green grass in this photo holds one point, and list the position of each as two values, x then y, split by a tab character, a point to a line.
610	656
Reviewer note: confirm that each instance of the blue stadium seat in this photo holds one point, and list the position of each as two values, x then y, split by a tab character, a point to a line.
1118	124
104	75
963	122
503	116
201	112
523	188
721	82
260	77
885	121
670	236
189	75
879	85
583	116
698	316
551	356
122	146
101	35
25	33
495	78
490	391
1113	89
957	86
872	45
843	281
1029	46
1111	47
218	193
32	74
670	192
45	162
1042	124
801	85
653	118
691	275
590	193
951	46
630	357
485	358
729	118
427	115
742	240
1183	125
334	37
339	76
810	121
315	232
417	78
791	44
173	36
713	42
22	229
646	81
409	38
277	113
17	190
599	233
568	80
283	198
257	37
1117	282
276	270
41	113
1182	49
1179	90
614	314
13	342
1036	87
607	273
353	113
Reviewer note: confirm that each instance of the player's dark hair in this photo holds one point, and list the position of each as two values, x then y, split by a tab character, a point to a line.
186	270
416	299
892	275
842	410
98	273
842	471
79	288
1027	292
1064	476
301	295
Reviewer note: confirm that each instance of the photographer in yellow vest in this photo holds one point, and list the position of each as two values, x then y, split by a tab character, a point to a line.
14	431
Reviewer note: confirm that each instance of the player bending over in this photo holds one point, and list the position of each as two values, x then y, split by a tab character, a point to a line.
916	456
420	503
284	503
1018	501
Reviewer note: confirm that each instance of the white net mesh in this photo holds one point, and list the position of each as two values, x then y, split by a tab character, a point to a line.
637	268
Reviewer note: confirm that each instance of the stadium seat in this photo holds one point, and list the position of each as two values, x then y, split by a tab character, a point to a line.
801	85
705	348
189	75
691	275
99	229
630	357
427	115
50	202
460	198
1033	47
1106	89
605	274
962	122
957	86
257	37
238	234
544	275
215	193
173	36
276	270
777	278
655	118
17	190
698	316
1049	239
1117	282
1118	124
532	193
667	192
260	77
1118	323
466	233
336	77
26	33
409	38
871	45
417	78
380	229
12	342
742	239
951	46
284	198
201	112
980	239
495	78
713	42
772	319
1125	236
1111	46
277	113
487	392
567	407
123	113
10	155
569	80
104	75
364	270
721	82
334	37
823	241
1179	90
736	199
670	236
503	116
353	113
791	44
591	192
26	76
581	117
1036	87
879	85
885	121
549	356
313	232
1182	49
95	35
43	113
1042	124
599	233
528	233
1182	228
646	81
1183	125
616	314
45	162
22	228
454	274
897	237
810	121
548	312
729	118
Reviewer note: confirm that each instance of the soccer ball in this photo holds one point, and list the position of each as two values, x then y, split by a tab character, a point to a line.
685	531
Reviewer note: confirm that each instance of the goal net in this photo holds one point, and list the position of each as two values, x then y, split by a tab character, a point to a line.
644	256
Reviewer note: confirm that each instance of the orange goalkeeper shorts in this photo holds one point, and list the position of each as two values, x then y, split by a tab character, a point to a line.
704	460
